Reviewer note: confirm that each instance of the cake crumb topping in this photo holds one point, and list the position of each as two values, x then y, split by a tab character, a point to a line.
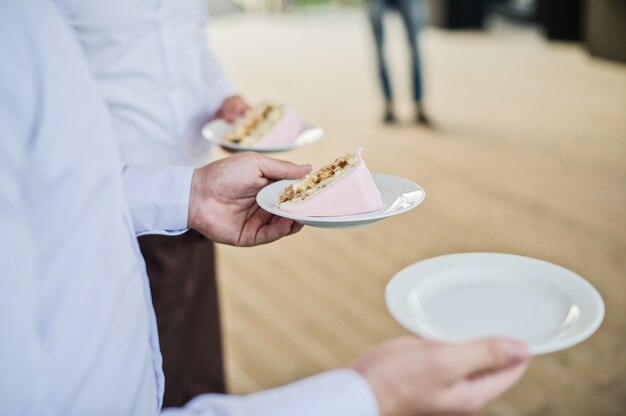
319	179
255	123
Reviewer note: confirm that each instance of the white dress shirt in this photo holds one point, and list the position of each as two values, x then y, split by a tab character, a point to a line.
77	328
156	73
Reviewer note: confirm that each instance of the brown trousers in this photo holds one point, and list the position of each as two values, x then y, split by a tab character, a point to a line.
185	297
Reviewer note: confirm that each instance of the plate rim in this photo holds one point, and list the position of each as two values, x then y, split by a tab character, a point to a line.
346	219
544	348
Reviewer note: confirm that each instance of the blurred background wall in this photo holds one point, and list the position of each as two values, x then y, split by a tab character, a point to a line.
599	24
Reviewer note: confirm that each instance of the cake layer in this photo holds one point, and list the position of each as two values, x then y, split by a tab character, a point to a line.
255	123
266	124
348	192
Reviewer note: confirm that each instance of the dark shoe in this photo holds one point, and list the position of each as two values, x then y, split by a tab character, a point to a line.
423	119
389	117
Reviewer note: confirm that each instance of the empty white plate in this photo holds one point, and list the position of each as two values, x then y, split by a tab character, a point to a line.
399	195
461	297
215	131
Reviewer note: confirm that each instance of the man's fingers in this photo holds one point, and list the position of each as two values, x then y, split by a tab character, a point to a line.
480	371
240	109
263	227
274	231
275	169
474	393
482	356
234	110
295	228
230	115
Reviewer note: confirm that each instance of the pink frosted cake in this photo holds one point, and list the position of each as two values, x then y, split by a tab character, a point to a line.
345	187
267	124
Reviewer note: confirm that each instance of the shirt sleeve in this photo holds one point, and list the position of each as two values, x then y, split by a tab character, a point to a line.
335	393
158	198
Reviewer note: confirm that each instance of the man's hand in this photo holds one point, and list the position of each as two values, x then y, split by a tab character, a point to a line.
223	205
413	377
232	108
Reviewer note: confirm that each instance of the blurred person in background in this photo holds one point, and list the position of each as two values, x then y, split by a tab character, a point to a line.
412	13
77	324
162	83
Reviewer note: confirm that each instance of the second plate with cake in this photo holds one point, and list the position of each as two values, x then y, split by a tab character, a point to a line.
267	127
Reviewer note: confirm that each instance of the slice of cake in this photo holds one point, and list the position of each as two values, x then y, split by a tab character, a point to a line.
344	187
267	124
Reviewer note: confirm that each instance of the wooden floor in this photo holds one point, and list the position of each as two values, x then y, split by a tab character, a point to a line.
528	157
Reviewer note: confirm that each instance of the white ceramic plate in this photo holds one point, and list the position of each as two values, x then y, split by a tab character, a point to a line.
461	297
215	131
391	189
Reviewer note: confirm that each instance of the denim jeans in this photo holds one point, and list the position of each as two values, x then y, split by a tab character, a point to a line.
412	13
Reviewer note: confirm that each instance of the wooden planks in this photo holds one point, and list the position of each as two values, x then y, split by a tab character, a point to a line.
528	157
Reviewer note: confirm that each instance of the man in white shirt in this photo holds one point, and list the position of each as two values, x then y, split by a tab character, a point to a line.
162	82
77	324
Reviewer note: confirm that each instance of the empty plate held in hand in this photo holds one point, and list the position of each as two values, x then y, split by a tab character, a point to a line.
462	297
